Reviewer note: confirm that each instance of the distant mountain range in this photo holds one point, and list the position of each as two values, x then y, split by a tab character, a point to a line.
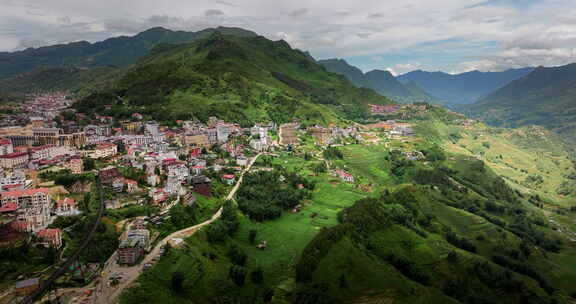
465	88
546	97
380	81
118	51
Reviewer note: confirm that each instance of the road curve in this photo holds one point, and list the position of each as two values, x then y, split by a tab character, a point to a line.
107	294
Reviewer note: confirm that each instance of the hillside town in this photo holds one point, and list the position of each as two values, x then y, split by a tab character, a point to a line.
50	156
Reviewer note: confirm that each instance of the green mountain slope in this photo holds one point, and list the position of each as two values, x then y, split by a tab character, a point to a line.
447	229
76	80
119	51
380	81
545	97
242	79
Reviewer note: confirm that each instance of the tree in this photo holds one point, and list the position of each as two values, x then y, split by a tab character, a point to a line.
89	164
237	256
257	276
252	236
177	281
237	274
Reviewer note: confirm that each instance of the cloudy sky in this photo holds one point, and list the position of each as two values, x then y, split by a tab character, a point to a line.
448	35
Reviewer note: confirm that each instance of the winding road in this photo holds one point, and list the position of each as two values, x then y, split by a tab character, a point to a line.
104	294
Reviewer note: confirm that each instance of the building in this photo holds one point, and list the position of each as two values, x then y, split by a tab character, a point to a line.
130	251
6	146
26	287
33	206
242	160
131	185
345	176
104	150
202	185
14	160
197	141
50	238
66	207
222	132
229	179
75	165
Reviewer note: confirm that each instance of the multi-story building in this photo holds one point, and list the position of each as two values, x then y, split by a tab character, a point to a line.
33	206
130	251
14	160
222	132
75	165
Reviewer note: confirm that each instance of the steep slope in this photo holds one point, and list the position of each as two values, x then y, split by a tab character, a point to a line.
119	51
77	80
545	97
380	81
242	79
464	88
384	83
340	66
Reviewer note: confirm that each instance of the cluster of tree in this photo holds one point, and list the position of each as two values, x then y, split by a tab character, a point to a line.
399	165
66	178
226	226
104	241
332	153
264	195
460	242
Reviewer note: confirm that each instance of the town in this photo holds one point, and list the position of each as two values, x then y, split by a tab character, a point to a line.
52	158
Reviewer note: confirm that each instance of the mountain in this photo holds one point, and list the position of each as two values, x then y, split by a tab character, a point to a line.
340	66
118	51
545	97
380	81
464	88
244	79
77	80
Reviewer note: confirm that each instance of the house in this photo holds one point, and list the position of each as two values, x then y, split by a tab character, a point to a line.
107	176
198	169
66	207
118	184
75	165
229	179
242	160
197	140
414	155
131	185
345	176
158	196
27	287
202	185
137	116
50	238
153	180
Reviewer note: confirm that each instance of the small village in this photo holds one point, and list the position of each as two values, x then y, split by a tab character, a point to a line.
55	157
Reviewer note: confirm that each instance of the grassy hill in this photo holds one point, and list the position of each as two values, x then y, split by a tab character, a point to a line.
80	81
118	51
545	97
243	79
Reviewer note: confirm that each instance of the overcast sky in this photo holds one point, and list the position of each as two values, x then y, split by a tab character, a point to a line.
448	35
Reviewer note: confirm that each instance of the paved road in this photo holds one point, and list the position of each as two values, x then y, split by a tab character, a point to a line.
104	294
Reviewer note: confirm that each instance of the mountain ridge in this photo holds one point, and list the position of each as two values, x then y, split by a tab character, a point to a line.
463	88
116	51
380	81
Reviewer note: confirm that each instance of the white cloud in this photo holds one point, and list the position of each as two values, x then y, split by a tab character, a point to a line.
457	34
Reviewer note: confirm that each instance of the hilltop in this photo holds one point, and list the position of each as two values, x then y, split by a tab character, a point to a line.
544	97
464	88
243	79
380	81
119	51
